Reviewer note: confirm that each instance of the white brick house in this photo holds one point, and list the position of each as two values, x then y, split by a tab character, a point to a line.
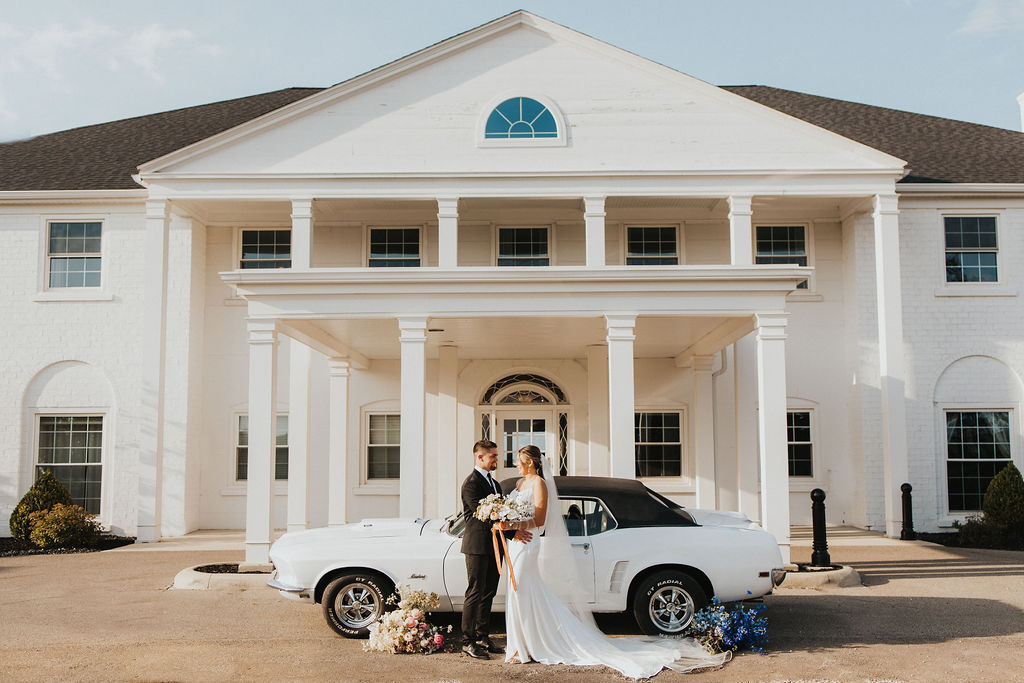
588	250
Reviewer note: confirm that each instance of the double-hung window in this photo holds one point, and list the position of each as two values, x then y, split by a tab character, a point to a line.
971	249
71	446
280	448
523	247
651	246
73	254
658	438
782	244
266	249
394	248
977	448
799	444
383	446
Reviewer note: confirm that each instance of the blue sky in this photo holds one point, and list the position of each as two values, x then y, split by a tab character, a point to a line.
70	63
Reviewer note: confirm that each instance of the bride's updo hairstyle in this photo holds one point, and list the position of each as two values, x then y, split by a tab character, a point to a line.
533	453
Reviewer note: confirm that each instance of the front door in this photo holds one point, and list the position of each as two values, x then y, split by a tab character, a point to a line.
520	428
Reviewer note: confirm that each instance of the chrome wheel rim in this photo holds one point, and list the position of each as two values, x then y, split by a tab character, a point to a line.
671	609
357	606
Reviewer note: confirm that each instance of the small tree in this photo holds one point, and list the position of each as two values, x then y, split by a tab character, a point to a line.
1004	499
64	526
43	495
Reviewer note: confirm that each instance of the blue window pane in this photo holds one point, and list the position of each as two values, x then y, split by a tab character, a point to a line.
520	118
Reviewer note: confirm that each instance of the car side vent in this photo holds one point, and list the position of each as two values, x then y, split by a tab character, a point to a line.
618	574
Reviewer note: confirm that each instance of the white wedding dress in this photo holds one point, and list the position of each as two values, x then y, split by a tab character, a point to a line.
543	627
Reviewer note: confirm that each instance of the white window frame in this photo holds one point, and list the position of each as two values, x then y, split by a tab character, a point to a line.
367	485
561	140
238	487
497	243
812	290
946	516
44	291
997	288
624	239
237	264
76	412
685	482
420	228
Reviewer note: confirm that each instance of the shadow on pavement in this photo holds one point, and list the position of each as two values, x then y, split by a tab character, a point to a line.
808	622
951	564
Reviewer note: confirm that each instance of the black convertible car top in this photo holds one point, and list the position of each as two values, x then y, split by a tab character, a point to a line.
630	502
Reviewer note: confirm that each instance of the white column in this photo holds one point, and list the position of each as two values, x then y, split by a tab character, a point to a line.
300	360
259	508
447	232
771	422
151	408
597	407
302	232
740	231
747	467
890	357
593	216
447	430
621	395
414	345
338	492
704	431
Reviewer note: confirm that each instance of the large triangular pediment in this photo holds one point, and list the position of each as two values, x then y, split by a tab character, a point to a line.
423	115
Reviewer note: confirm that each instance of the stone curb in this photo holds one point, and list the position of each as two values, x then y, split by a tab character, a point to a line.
844	577
190	579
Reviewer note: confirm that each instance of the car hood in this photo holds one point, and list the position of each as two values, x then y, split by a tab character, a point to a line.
326	537
722	518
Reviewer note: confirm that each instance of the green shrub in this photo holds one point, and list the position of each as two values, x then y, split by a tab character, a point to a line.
1004	499
64	526
43	495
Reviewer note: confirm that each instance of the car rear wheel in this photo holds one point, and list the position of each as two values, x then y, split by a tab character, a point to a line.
354	601
665	603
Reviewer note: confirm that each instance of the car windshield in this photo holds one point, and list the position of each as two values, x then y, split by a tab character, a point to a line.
672	505
454	524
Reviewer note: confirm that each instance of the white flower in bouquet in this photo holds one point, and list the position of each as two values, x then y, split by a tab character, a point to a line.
499	508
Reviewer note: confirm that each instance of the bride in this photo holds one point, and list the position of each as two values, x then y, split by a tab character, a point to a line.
548	621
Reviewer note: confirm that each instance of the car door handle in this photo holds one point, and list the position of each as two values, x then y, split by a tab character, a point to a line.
585	546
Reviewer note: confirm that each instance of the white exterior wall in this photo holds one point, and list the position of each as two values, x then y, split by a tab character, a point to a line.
103	335
941	329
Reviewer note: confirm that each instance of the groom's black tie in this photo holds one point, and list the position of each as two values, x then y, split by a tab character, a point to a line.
490	482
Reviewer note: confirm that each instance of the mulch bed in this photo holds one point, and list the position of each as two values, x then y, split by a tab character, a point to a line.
218	568
12	547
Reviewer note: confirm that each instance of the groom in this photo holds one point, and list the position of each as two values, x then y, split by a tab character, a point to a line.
477	546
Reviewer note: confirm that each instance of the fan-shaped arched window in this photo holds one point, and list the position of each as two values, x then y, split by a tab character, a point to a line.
520	118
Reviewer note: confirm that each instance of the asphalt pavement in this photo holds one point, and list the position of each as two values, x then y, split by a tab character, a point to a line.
923	613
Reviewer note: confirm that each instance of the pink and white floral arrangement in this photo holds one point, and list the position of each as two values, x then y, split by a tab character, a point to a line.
406	629
499	508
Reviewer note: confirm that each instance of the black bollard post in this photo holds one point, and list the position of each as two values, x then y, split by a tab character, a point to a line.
819	556
908	533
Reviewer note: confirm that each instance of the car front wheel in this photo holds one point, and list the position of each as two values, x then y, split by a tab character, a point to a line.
354	601
665	603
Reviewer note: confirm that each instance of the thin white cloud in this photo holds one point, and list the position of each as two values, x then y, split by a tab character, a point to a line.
142	47
53	51
994	16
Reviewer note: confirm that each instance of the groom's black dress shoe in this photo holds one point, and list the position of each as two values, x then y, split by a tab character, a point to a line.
476	651
489	645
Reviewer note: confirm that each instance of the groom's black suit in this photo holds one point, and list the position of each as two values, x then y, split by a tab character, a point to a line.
481	569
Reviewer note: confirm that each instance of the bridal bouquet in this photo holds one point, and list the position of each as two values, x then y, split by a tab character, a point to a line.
406	629
499	508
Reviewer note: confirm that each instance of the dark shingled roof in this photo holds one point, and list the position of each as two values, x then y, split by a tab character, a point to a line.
936	150
104	156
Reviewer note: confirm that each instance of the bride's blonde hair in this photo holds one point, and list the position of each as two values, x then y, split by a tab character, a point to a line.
533	453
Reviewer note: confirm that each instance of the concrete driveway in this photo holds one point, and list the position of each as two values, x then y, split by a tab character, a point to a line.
925	613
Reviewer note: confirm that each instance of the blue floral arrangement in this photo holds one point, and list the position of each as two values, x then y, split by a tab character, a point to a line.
738	628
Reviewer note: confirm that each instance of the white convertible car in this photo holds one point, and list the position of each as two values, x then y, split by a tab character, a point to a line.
636	550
